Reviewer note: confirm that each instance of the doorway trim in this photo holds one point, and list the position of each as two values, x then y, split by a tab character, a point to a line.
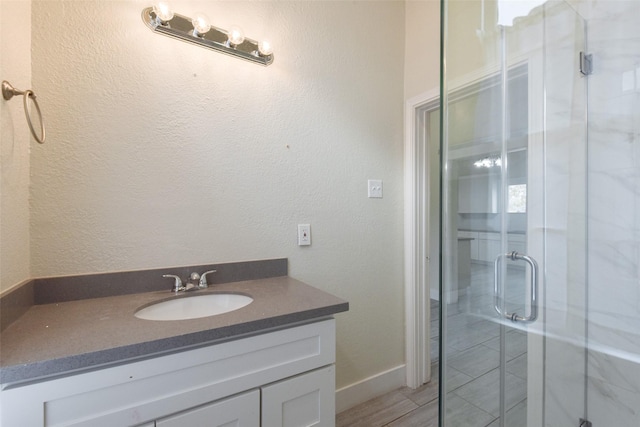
417	286
416	245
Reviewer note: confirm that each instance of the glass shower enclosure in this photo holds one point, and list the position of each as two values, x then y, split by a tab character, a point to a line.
540	196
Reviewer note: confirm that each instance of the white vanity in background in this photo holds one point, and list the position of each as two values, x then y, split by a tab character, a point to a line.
281	378
271	366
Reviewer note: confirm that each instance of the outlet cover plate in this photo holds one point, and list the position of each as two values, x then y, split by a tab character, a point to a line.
304	234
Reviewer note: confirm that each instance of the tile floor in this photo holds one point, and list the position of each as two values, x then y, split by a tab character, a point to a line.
403	407
473	354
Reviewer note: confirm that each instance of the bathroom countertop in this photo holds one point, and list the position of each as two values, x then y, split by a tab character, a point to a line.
477	230
70	337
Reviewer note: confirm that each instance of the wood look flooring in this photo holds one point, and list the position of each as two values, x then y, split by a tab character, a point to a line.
404	407
473	360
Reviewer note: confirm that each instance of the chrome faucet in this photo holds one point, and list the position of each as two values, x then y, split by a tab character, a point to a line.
194	282
177	285
203	279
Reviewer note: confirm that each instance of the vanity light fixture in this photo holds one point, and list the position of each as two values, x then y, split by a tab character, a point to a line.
163	13
198	30
264	48
200	24
235	36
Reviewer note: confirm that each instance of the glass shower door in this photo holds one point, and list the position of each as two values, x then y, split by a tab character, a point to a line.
513	288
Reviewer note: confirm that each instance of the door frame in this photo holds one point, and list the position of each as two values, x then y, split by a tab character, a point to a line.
416	244
417	332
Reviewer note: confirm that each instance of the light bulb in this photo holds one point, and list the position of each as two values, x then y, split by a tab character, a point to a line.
200	24
265	48
163	12
236	36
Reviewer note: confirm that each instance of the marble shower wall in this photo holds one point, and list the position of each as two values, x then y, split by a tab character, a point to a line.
592	237
614	214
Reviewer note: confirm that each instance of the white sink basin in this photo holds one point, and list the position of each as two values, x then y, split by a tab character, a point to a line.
193	307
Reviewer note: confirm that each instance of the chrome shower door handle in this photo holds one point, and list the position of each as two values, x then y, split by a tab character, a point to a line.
533	288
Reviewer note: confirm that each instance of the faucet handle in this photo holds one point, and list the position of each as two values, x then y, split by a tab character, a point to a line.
177	285
203	279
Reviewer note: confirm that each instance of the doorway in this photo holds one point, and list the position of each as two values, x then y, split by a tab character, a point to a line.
422	240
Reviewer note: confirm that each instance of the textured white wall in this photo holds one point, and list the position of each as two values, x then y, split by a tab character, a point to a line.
15	67
163	153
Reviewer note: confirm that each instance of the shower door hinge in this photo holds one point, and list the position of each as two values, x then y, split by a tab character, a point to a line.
584	423
586	67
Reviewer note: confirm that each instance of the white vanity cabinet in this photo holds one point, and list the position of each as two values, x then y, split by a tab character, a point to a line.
473	235
488	246
284	378
242	410
305	400
479	194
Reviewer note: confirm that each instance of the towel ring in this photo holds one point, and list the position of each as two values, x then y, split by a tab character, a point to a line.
9	92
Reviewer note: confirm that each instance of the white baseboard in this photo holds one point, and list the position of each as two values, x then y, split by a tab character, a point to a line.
377	385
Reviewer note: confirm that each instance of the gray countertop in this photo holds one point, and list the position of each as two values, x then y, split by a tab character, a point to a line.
72	336
477	230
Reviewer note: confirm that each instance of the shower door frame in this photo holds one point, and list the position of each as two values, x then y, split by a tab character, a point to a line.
536	221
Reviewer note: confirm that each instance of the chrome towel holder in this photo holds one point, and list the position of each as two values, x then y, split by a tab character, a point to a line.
9	92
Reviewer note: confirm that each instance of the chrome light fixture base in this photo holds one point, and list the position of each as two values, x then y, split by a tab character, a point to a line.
180	27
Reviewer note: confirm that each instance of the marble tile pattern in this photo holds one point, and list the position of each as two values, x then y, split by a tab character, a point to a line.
614	214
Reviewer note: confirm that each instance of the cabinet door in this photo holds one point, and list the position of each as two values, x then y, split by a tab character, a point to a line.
488	246
478	194
302	401
474	243
242	411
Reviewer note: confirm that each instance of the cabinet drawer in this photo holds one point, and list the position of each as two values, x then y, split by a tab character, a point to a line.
242	410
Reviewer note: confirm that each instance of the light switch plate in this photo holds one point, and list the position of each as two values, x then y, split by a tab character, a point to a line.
374	188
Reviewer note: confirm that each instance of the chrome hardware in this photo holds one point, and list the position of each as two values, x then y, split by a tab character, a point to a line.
586	64
9	92
194	279
203	279
533	288
192	282
180	27
177	285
